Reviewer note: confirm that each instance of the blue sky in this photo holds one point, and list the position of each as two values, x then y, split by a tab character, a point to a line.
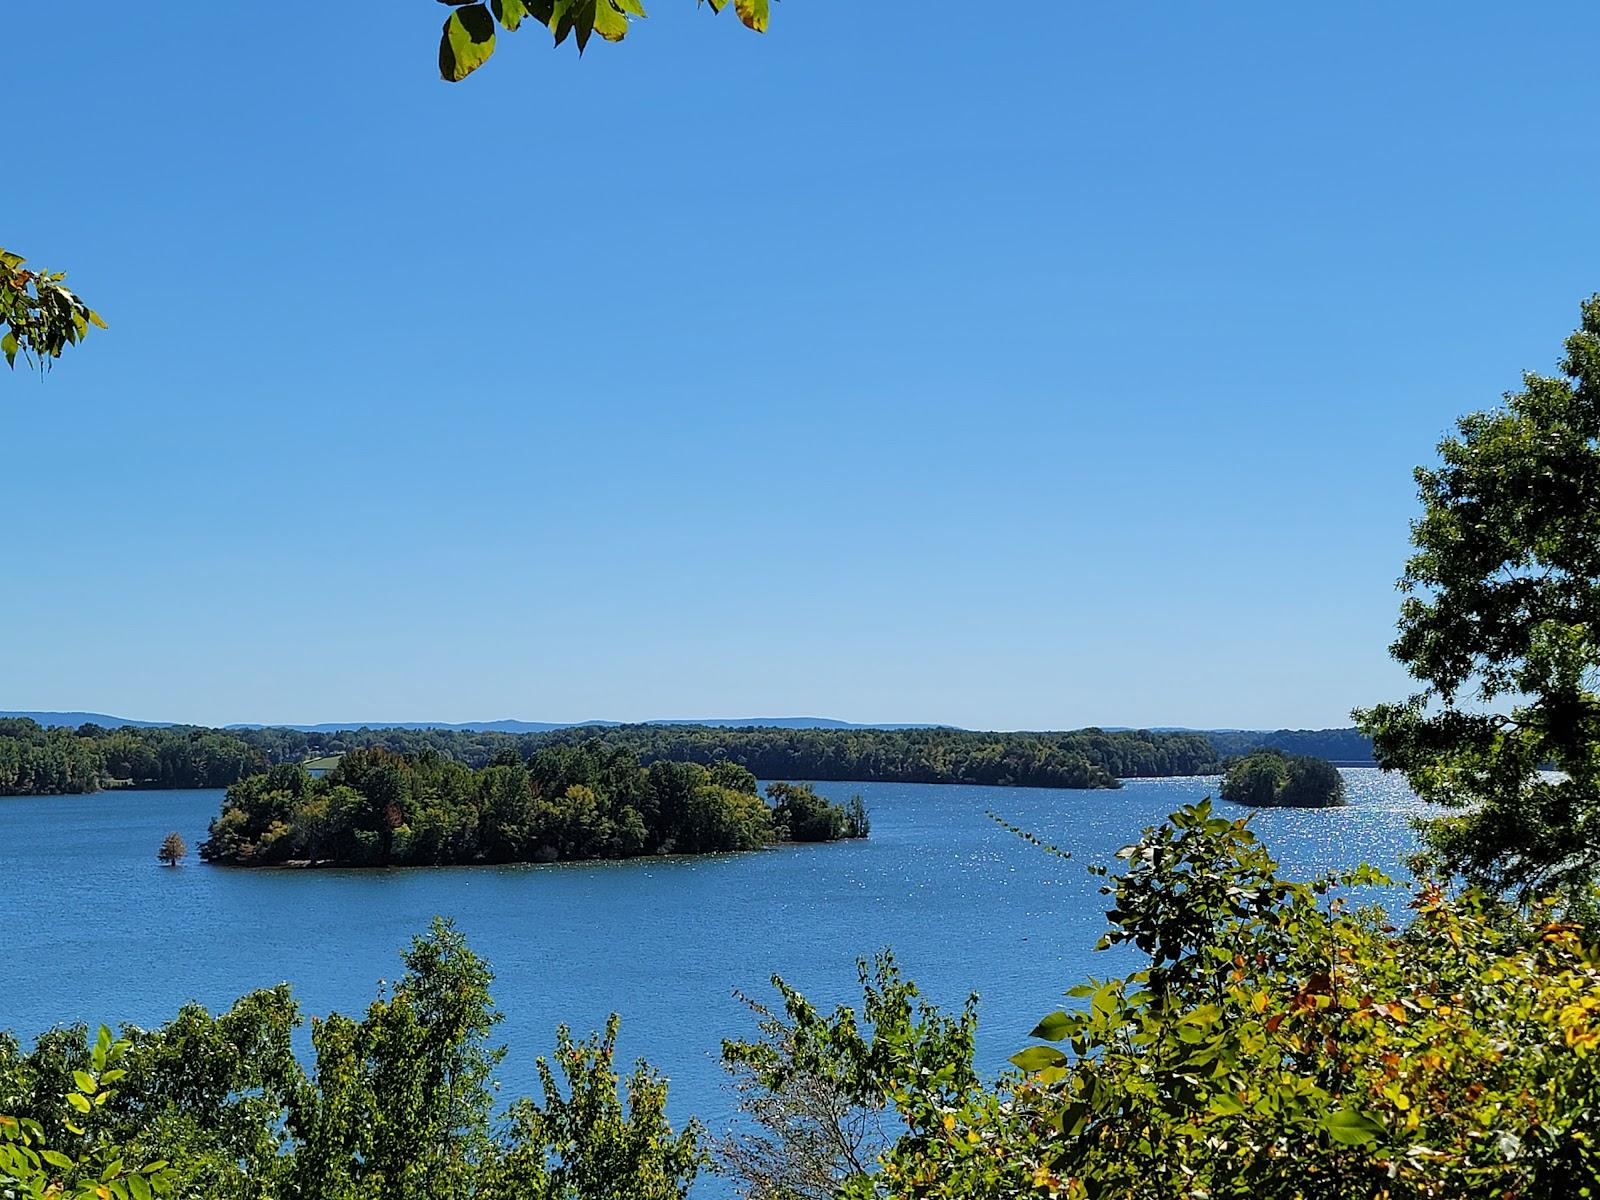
903	364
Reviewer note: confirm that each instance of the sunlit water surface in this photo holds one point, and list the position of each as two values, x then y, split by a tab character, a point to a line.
98	931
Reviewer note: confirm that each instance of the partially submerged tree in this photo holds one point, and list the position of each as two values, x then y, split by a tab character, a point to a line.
469	31
39	314
173	849
1501	624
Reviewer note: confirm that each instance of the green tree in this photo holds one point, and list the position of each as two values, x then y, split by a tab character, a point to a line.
804	816
586	1142
469	31
1270	777
1501	625
39	314
97	1167
821	1091
1275	1041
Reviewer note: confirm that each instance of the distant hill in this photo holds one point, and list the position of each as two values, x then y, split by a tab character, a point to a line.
71	720
504	726
510	726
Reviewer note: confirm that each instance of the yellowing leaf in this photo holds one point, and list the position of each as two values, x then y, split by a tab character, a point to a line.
610	21
467	42
753	13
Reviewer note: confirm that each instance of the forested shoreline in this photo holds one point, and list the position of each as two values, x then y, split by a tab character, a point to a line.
38	761
48	761
377	808
35	761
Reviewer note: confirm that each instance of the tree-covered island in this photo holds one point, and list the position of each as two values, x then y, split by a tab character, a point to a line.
1272	779
377	808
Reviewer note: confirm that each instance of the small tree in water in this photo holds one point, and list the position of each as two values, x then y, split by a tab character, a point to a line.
173	849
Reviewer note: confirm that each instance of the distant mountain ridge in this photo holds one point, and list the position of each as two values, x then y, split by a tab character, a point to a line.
72	720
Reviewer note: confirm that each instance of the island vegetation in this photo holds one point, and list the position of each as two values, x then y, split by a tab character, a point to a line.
1273	779
378	808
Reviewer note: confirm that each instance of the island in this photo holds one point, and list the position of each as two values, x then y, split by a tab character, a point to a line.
1272	779
377	808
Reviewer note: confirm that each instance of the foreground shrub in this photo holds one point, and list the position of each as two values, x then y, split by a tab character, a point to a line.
1279	1042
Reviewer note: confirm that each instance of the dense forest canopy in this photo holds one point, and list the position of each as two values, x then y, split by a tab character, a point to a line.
377	808
38	761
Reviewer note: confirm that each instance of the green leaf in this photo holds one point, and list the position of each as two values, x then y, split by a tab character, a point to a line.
467	43
1352	1128
609	21
753	13
78	1102
510	13
86	1082
1053	1028
1226	1104
1038	1058
57	1159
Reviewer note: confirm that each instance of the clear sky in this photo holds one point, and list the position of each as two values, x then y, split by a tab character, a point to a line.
1010	366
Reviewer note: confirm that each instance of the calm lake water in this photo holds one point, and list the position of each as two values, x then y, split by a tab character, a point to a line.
100	932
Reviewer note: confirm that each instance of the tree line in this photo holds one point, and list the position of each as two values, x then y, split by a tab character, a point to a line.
1087	758
39	761
378	808
36	760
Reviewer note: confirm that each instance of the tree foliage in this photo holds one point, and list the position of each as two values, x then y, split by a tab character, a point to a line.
1279	1042
471	29
820	1091
1271	778
35	1166
586	801
397	1104
39	315
1501	625
1085	758
173	849
38	761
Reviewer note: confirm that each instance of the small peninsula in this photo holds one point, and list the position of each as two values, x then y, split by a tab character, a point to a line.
379	809
1272	779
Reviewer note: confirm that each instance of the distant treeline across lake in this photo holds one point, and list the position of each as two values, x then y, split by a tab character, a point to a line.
39	761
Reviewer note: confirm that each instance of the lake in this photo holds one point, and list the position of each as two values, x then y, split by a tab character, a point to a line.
101	932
